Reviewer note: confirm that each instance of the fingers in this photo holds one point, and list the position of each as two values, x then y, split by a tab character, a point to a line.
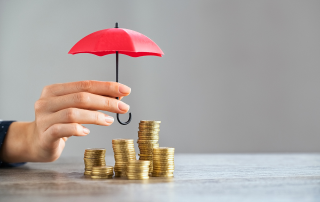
57	131
85	100
81	116
111	89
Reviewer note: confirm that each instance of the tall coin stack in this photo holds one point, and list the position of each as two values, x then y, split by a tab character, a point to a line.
101	172
123	153
138	170
93	157
148	139
163	162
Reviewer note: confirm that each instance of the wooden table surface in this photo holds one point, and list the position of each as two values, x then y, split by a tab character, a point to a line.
197	177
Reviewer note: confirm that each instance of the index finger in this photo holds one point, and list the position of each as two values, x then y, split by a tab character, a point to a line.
111	89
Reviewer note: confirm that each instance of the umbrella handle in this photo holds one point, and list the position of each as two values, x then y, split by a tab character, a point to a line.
117	61
125	123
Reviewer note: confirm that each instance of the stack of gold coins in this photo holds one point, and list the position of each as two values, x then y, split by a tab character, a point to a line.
101	172
123	153
93	157
138	170
148	139
163	162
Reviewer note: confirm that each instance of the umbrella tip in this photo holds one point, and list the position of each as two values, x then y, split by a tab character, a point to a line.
116	25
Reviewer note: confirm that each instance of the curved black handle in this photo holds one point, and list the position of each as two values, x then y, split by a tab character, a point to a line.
125	123
117	61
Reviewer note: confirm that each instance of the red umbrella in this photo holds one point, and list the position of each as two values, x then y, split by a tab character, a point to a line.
117	40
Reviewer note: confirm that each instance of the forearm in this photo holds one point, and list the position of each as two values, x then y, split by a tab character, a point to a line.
17	145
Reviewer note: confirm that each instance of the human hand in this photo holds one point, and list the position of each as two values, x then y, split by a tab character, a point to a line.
61	110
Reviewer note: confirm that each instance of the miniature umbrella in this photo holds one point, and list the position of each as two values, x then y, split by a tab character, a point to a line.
117	40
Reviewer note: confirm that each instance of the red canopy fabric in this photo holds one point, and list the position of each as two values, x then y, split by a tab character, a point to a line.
125	41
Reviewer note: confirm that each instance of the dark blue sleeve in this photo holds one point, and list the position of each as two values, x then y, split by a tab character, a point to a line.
4	126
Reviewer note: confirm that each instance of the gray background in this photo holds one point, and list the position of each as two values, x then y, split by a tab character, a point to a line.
237	76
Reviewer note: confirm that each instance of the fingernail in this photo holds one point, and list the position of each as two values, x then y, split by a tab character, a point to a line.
86	131
124	89
122	106
109	119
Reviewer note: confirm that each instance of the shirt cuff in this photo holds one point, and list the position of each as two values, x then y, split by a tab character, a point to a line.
4	126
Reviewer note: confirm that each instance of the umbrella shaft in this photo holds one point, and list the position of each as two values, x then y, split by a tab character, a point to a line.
117	65
117	68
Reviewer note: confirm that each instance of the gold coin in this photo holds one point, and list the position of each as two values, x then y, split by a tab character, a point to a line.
122	160
139	162
142	125
149	121
101	177
103	167
162	154
151	125
138	174
94	153
148	133
144	152
87	172
138	165
149	157
95	150
148	144
146	159
163	160
147	141
138	170
101	173
141	137
123	146
149	129
131	145
125	156
162	157
123	150
148	138
162	172
122	140
145	155
146	149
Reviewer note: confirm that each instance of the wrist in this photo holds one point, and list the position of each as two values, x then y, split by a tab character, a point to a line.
16	147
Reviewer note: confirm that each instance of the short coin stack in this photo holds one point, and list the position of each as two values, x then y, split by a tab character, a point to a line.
148	139
138	170
123	153
93	157
101	172
163	162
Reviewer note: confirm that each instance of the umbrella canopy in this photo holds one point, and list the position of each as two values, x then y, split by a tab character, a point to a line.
117	40
125	41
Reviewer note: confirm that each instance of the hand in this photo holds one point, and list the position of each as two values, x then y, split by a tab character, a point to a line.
59	113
